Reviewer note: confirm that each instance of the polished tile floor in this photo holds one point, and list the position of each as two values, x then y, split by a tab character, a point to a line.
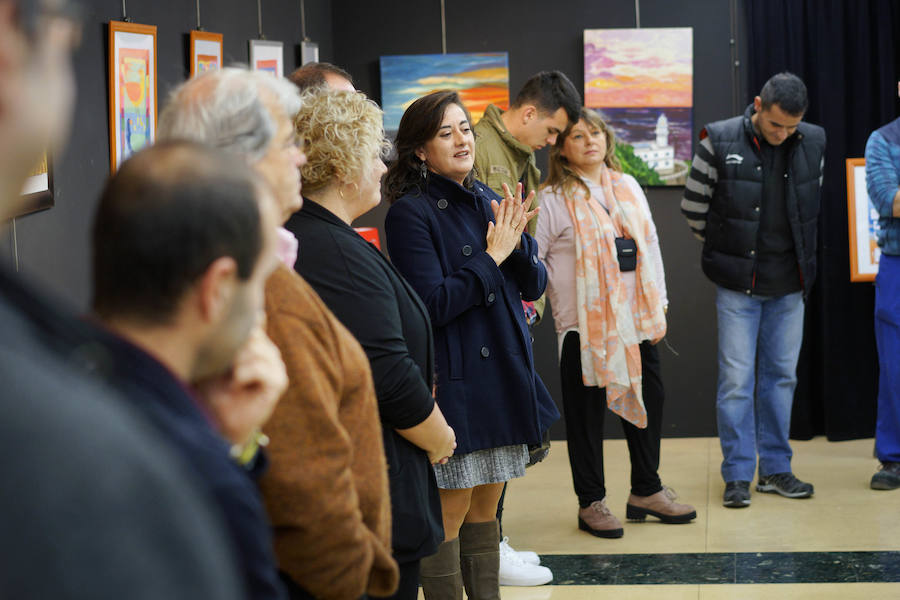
842	543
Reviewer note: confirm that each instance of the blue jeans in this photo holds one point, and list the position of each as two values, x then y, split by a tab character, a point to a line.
759	343
887	336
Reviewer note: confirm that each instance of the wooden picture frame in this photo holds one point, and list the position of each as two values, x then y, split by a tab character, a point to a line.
206	51
267	56
132	89
37	193
862	220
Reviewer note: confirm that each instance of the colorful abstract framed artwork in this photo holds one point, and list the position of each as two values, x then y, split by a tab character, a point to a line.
862	219
206	51
132	89
37	193
641	81
267	56
479	79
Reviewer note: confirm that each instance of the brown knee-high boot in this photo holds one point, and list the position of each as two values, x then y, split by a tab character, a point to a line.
440	575
479	549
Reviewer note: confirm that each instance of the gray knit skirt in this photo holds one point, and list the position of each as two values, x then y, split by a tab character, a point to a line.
492	465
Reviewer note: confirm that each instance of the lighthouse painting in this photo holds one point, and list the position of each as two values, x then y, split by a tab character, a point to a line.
641	82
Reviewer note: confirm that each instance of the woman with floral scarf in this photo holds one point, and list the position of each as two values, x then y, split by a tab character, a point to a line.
607	291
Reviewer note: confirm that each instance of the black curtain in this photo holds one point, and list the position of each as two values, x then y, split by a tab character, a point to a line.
845	52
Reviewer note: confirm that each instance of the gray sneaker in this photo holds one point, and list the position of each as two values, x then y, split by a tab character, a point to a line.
887	477
737	494
784	484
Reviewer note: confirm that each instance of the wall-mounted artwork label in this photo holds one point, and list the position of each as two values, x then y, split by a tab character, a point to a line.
132	86
641	81
267	56
206	52
479	79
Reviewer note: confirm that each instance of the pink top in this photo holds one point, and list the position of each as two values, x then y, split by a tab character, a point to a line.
555	236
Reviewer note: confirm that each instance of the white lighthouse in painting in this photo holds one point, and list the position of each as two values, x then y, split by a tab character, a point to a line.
659	154
662	131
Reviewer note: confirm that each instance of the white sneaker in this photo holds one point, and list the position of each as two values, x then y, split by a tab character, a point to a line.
527	556
515	571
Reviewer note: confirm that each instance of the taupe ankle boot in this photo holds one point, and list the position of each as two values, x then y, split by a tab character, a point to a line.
440	575
479	549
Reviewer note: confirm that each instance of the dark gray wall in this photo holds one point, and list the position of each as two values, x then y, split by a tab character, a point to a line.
53	246
539	35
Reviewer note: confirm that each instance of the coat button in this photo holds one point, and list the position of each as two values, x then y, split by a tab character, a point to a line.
491	297
753	253
747	292
756	208
785	176
485	352
758	168
467	250
534	259
442	203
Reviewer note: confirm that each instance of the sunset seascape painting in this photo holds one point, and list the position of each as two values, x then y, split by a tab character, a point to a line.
479	79
641	80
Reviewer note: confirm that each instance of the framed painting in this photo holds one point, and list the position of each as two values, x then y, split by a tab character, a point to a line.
206	51
267	56
479	78
862	219
37	193
132	89
641	81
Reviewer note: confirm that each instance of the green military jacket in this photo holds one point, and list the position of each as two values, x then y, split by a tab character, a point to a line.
500	158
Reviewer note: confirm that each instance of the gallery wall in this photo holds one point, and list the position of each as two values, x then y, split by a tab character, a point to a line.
539	35
53	246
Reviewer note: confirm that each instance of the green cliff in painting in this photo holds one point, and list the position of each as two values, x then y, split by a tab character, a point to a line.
634	166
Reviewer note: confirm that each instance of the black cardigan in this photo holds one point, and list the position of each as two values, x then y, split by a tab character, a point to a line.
367	294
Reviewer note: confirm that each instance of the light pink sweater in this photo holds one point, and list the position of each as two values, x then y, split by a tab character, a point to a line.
556	247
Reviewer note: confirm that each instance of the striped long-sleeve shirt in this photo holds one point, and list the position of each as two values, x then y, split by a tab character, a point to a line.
698	191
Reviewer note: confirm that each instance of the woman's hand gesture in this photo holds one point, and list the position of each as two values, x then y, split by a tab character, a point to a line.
511	217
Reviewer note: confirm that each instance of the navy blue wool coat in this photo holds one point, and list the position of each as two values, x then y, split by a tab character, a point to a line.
487	387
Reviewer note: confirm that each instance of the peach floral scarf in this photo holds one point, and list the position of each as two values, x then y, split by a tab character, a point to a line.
610	327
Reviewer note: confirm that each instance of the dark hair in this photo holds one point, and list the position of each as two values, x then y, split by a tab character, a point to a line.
549	91
164	217
787	91
312	74
419	124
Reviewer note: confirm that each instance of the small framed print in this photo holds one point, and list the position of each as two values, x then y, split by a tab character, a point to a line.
267	56
206	52
863	223
132	89
37	193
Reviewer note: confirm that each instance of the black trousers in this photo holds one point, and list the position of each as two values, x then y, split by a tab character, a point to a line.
585	411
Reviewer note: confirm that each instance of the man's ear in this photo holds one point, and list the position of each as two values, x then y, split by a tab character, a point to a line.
757	104
216	287
529	113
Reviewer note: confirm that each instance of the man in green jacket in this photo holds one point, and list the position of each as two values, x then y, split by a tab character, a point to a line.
504	153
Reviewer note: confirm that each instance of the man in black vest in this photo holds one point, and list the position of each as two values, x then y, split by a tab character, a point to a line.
753	199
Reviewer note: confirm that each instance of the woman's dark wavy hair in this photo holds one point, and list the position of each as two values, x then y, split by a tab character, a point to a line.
420	123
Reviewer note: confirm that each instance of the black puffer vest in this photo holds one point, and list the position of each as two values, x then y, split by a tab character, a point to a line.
732	227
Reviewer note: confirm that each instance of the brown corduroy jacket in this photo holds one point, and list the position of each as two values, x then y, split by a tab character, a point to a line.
326	489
